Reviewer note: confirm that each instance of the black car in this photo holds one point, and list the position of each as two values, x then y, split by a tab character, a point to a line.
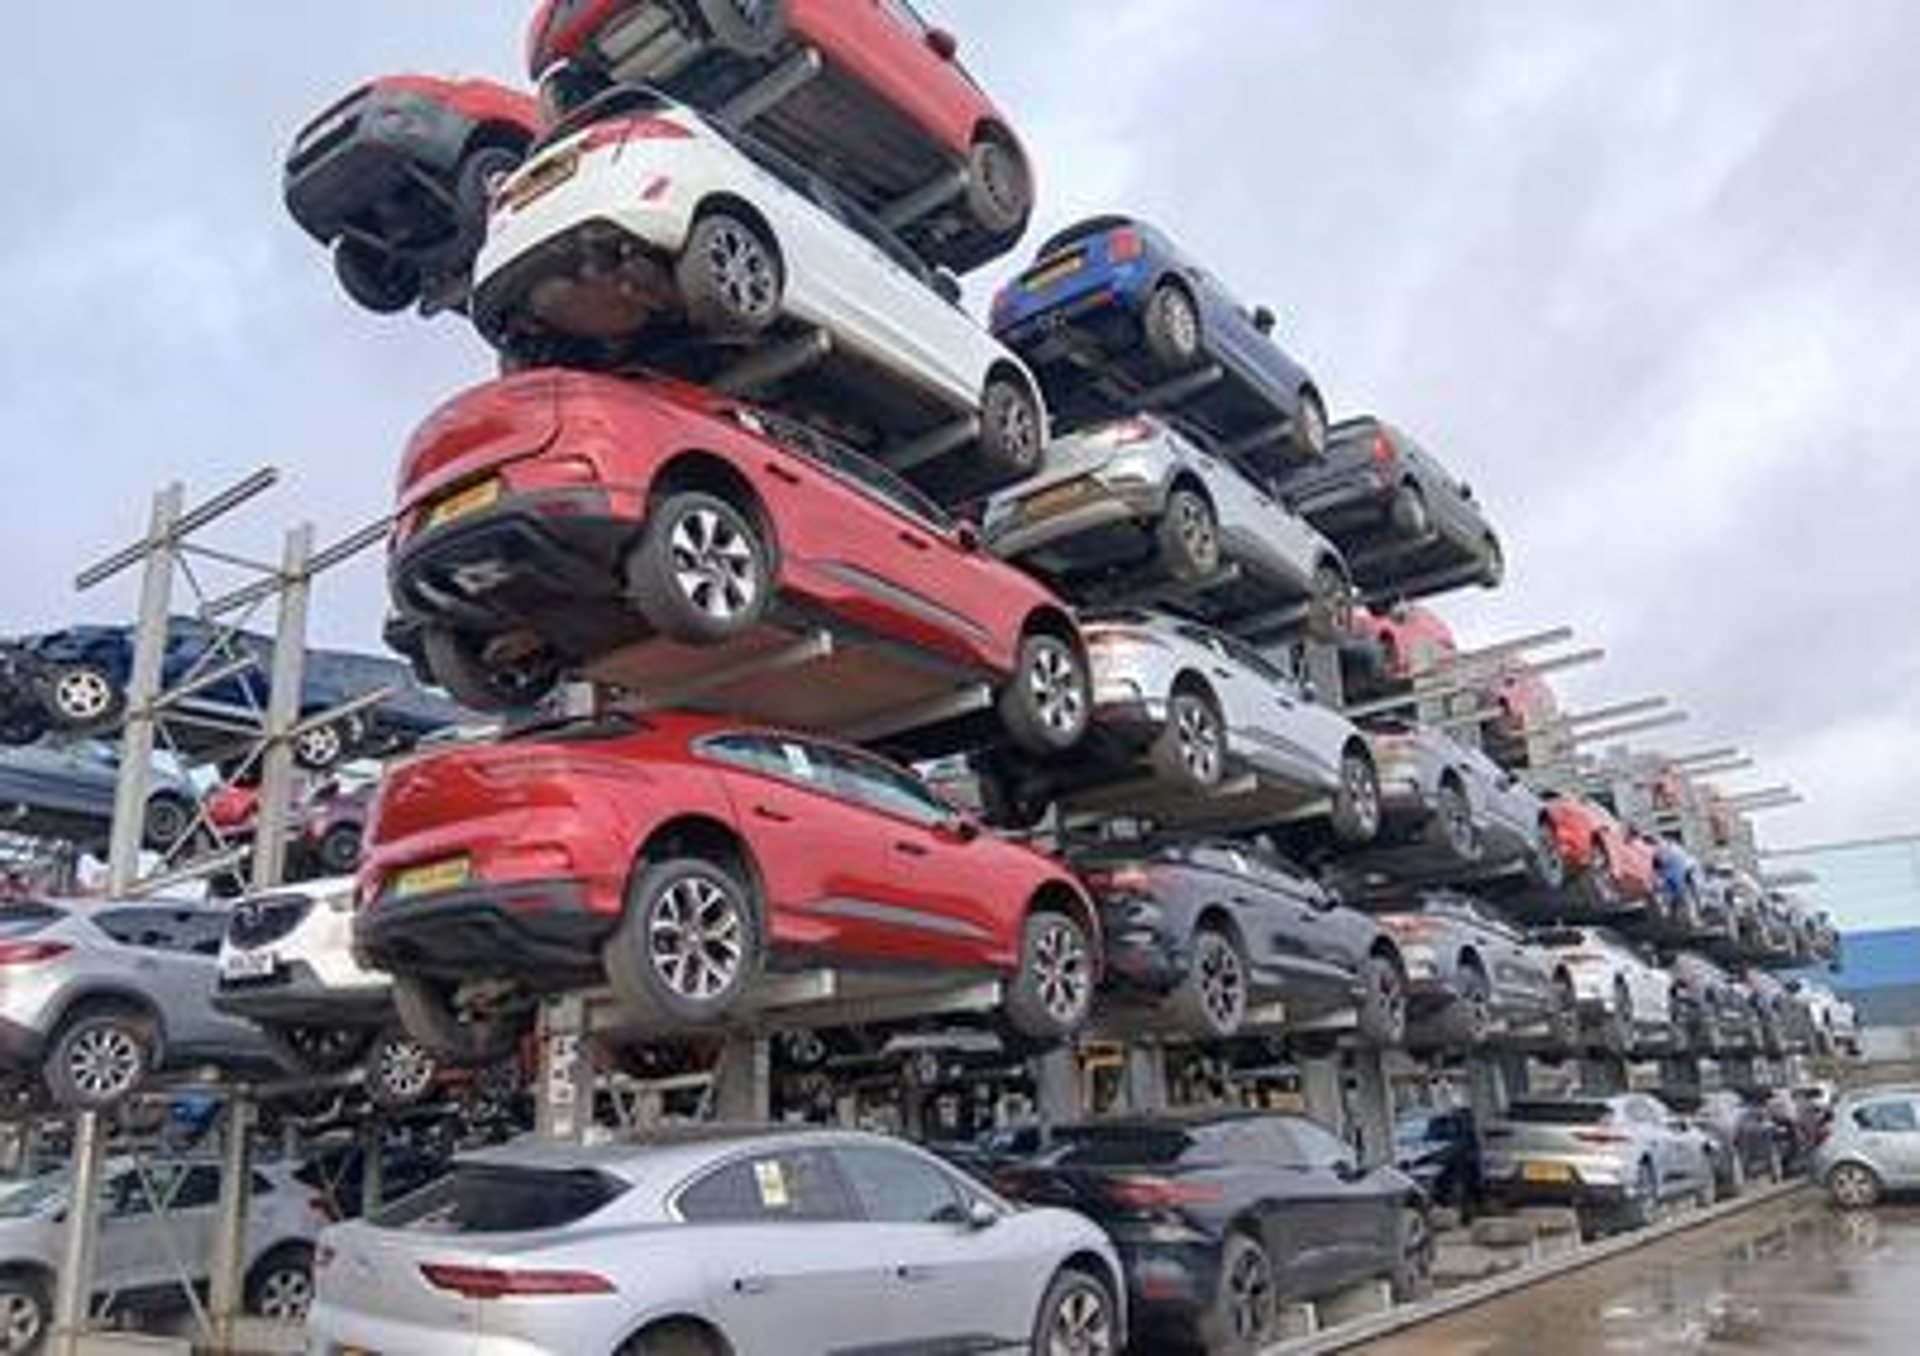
25	681
1210	930
1221	1217
1713	1012
1407	526
1749	1146
1440	1149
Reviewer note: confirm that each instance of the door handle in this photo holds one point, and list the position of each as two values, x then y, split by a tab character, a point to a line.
915	540
768	813
752	1285
910	849
1220	672
912	1273
779	472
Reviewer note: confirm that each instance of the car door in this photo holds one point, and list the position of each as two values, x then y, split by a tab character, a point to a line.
158	1229
790	1263
1888	1134
953	1283
1518	981
1278	719
1301	925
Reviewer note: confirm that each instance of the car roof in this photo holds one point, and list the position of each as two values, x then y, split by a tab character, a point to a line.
667	1146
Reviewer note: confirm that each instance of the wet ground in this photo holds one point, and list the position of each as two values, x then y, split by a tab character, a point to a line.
1796	1277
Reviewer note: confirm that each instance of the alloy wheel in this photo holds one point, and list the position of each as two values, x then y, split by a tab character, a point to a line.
1058	695
403	1069
1853	1187
1082	1325
714	565
1198	531
1200	742
21	1322
83	695
1222	980
104	1062
743	272
696	940
284	1294
1018	436
1362	794
319	747
1062	975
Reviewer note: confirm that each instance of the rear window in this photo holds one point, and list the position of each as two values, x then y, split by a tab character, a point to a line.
1558	1113
489	1198
1103	1145
17	920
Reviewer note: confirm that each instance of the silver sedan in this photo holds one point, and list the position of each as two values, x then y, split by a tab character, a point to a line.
711	1240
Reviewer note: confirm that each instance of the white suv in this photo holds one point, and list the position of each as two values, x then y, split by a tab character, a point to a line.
287	965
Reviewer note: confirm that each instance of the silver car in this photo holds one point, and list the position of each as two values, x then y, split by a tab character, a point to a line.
1872	1145
97	995
1625	1001
1473	977
1627	1154
1447	807
1203	706
711	1240
1138	493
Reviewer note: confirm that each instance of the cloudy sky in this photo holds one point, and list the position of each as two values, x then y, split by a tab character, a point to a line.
1645	272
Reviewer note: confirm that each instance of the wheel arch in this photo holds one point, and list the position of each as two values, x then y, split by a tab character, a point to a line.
696	469
1049	619
736	206
660	1325
111	997
1057	896
704	836
1091	1264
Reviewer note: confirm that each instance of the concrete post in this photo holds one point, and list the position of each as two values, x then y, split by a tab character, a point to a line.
1056	1082
284	694
1370	1108
75	1282
743	1080
134	777
1146	1077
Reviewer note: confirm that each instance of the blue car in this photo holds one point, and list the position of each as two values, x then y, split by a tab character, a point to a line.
88	669
1114	319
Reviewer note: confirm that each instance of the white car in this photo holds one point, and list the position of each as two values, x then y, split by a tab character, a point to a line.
1623	998
287	965
638	232
1834	1023
158	1224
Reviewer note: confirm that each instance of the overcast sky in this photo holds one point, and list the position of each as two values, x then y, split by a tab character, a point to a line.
1644	272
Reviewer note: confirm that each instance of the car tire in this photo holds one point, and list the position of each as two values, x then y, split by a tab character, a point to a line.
338	851
747	28
1853	1186
702	573
673	1339
1643	1206
322	747
456	661
1330	607
1189	536
1355	817
473	196
401	1071
1211	1000
1470	1015
305	1048
1050	994
1381	1013
688	948
167	821
1563	1023
426	1012
1548	864
1452	827
1408	513
1047	703
379	280
999	184
1172	327
1191	750
99	1056
280	1285
26	1312
1013	433
1244	1312
84	697
730	276
1412	1277
1077	1314
1309	433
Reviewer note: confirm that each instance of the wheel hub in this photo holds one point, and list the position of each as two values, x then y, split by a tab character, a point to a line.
1055	685
1199	743
1060	969
83	695
713	565
696	939
104	1062
1081	1327
741	272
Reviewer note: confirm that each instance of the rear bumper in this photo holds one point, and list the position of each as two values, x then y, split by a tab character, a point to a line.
371	153
1077	532
545	934
20	1046
1169	1284
294	993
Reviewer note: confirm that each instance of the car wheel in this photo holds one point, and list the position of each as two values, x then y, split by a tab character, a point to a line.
99	1057
1563	1024
25	1305
461	664
473	195
400	1071
1013	433
1549	866
84	697
309	1049
999	184
748	28
22	725
378	279
1382	1014
1050	994
320	747
1245	1305
1413	1273
1076	1318
1330	608
167	821
730	276
1853	1186
427	1012
339	850
702	572
1192	748
672	1339
688	946
1493	562
1211	1000
1356	801
1310	427
1619	1025
1470	1018
1453	828
1189	534
1046	705
280	1286
1172	327
1408	513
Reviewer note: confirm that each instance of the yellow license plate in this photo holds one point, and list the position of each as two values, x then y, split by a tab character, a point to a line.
1546	1172
464	503
1051	274
432	878
541	177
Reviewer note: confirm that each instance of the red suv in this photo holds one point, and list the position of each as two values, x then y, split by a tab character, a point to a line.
1413	641
394	178
1602	858
552	519
880	104
677	856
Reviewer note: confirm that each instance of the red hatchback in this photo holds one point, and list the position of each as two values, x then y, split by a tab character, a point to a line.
868	93
1603	859
676	857
553	520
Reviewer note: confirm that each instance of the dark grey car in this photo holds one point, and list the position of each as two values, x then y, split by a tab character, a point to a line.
66	790
1407	526
1211	930
1449	811
1473	977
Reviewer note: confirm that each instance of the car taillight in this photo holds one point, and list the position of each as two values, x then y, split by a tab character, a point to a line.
483	1283
1602	1136
1124	245
649	128
1410	925
1159	1193
1385	461
31	953
1117	880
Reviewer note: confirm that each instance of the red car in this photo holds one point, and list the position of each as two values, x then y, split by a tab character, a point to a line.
324	832
1609	863
1523	706
675	857
1413	641
395	177
885	110
551	519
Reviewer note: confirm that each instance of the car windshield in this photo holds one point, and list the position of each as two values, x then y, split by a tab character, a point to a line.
1558	1113
1084	230
500	1198
34	1196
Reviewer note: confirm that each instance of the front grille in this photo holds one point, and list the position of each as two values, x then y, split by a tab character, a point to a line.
256	922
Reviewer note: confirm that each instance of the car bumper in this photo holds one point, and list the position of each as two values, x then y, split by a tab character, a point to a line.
1169	1281
1557	1179
543	932
371	150
1033	324
294	993
20	1046
1075	531
332	1330
562	232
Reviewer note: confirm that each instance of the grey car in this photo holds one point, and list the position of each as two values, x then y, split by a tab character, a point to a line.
1713	1012
66	790
1137	498
711	1240
1872	1145
1473	977
98	995
1448	809
1626	1155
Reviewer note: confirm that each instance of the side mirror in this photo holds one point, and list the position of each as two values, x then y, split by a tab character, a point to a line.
960	828
943	44
966	535
980	1215
1262	318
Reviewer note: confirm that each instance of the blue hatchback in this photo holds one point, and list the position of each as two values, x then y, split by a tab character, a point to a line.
1114	319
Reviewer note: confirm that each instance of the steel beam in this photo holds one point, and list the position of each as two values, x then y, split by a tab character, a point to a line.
133	779
283	710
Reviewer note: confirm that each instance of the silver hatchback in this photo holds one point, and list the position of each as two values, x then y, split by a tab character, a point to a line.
1870	1145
